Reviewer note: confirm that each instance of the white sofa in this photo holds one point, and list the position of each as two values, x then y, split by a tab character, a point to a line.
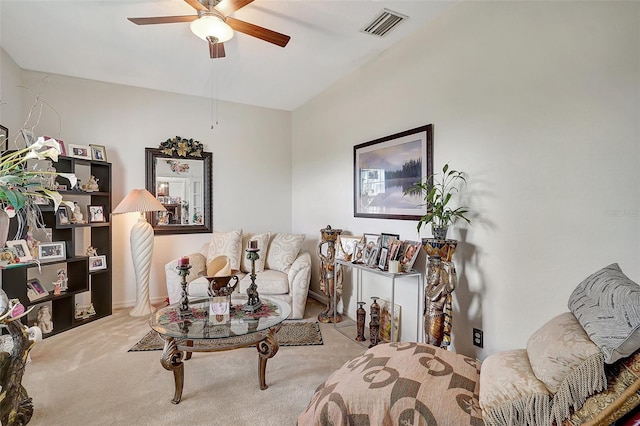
283	270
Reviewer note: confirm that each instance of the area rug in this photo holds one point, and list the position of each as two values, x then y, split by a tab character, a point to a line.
291	334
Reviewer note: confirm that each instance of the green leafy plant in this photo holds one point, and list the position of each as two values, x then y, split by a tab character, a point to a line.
20	184
436	190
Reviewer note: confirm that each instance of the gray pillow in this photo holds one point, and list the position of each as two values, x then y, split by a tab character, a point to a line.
607	305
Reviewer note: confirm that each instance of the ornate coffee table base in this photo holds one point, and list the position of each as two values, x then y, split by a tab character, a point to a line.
172	355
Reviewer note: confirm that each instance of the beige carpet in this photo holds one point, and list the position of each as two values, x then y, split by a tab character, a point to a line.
85	376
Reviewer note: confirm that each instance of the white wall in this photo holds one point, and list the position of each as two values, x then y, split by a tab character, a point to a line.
10	100
251	149
538	102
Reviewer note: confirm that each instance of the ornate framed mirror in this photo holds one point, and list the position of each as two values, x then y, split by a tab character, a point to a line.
182	184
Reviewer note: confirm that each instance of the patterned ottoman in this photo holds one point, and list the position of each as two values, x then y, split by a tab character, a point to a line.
399	384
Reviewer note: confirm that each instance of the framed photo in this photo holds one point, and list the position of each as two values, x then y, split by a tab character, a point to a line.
386	240
52	251
372	239
98	152
21	249
63	148
4	138
410	252
394	251
35	290
29	137
389	318
384	256
373	257
80	151
96	214
97	263
62	216
384	168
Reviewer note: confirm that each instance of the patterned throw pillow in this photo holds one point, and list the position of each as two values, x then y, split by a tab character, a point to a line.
283	250
226	244
263	245
567	362
607	304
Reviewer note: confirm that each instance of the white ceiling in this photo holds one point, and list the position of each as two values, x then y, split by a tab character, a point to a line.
94	40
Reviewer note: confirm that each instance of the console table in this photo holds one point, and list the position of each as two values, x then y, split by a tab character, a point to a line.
393	276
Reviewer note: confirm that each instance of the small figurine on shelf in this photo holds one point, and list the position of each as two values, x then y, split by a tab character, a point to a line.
44	320
91	310
91	251
92	185
77	216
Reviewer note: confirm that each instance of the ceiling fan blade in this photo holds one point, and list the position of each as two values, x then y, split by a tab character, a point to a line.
216	50
259	32
163	19
197	5
227	7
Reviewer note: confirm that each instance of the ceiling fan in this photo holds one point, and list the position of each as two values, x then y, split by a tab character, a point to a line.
213	24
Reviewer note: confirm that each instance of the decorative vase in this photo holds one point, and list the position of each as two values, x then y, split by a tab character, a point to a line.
360	315
439	232
4	228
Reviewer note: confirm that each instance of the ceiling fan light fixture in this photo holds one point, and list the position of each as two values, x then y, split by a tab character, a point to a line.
210	26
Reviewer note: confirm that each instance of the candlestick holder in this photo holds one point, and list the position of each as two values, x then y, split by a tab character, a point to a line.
253	298
360	315
183	271
374	323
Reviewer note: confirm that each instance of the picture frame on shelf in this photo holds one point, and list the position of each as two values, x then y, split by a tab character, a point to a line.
4	138
7	258
62	216
389	318
29	137
21	249
35	290
80	151
61	188
394	251
387	239
52	251
371	239
98	152
97	263
410	252
96	214
372	260
384	257
384	166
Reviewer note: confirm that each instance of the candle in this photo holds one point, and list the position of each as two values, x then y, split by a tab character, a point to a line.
253	244
393	266
183	261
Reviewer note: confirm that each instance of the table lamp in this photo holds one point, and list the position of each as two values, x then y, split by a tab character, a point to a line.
141	200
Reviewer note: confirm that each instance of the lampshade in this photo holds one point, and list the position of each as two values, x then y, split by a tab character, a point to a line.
211	27
139	200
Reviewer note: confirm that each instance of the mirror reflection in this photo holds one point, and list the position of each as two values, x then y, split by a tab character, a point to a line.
181	185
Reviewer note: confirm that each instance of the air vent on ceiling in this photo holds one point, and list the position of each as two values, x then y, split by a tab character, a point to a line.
384	22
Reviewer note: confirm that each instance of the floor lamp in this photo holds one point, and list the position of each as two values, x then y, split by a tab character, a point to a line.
141	200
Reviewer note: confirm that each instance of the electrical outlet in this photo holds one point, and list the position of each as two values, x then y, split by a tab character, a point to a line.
478	337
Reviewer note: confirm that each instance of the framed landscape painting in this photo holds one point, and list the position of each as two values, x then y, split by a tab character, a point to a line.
384	168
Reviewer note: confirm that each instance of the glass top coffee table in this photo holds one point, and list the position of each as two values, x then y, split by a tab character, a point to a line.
210	325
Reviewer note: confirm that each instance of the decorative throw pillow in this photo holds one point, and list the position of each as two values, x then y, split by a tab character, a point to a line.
263	245
510	393
607	304
569	364
226	244
283	250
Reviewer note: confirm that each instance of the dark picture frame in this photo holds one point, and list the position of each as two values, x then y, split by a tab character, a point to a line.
384	168
4	138
62	216
96	214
